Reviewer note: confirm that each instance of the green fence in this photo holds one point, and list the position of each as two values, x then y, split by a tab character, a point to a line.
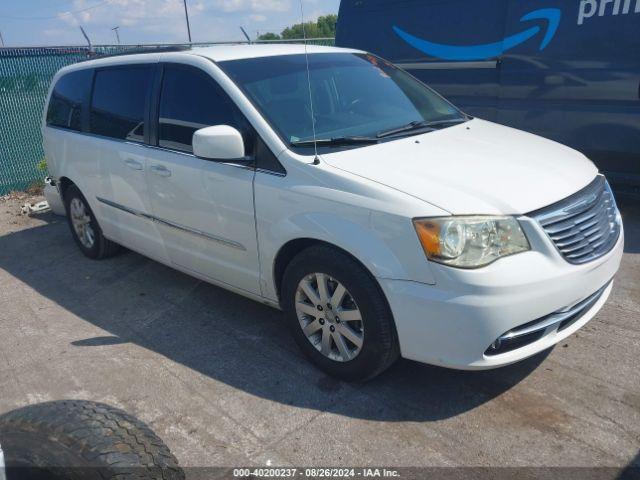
25	74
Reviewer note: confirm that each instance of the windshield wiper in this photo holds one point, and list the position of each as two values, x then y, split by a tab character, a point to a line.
335	142
420	125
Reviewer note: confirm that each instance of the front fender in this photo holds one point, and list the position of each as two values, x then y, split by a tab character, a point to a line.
385	244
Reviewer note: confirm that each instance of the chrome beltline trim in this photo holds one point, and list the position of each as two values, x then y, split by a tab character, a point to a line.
137	213
208	236
177	226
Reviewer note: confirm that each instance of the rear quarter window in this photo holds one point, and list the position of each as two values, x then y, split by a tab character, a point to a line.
69	96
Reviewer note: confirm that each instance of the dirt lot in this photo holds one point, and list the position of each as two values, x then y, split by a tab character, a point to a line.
218	378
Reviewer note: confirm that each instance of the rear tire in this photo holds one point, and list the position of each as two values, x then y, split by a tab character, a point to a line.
84	227
371	342
75	439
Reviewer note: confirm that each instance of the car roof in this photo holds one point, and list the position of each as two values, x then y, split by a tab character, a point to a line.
217	53
221	53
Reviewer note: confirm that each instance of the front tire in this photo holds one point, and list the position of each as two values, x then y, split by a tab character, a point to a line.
338	314
84	227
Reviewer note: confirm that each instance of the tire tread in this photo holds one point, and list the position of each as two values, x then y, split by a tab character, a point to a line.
102	435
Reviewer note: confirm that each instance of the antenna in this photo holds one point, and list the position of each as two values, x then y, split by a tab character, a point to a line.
186	15
316	160
244	32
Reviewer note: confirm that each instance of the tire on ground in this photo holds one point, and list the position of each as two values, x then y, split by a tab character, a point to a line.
380	348
102	247
75	439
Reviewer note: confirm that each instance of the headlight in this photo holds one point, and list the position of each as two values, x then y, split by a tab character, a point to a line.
470	242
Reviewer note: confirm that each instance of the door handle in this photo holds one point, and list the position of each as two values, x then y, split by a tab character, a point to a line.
133	164
161	170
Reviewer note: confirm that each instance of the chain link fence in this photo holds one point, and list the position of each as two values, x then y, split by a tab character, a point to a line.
25	74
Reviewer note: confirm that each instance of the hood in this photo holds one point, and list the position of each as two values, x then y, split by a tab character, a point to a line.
477	167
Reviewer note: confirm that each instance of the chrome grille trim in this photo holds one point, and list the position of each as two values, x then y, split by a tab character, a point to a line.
583	226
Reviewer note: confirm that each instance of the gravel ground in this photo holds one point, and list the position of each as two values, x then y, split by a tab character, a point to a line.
218	378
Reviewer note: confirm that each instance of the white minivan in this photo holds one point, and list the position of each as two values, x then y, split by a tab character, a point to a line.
333	185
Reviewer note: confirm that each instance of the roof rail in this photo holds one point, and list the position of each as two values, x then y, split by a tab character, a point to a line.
92	55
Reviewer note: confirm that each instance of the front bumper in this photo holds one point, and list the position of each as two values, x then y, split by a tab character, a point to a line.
455	321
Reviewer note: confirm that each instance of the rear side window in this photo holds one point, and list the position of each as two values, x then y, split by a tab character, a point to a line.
67	99
119	103
190	100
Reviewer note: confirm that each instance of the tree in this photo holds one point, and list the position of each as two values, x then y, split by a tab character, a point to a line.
324	27
327	26
269	36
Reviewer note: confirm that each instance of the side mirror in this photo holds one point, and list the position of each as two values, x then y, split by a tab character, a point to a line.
220	142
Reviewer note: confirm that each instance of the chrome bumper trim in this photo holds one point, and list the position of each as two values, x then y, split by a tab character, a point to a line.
553	321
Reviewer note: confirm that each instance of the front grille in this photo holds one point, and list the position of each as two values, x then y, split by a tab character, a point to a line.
585	225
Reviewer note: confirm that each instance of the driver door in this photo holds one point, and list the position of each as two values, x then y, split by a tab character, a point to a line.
204	208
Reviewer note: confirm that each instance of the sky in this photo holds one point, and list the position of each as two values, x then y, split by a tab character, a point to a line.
56	22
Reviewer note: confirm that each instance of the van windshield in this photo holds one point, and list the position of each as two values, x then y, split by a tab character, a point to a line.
357	98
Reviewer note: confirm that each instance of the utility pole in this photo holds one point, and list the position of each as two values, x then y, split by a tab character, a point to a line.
115	29
1	39
186	15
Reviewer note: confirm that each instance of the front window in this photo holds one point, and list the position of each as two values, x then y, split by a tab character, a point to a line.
356	97
190	100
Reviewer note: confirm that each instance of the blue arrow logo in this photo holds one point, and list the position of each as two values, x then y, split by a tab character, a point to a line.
488	50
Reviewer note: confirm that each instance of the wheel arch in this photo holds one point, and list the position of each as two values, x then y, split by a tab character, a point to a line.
64	184
380	254
296	246
289	251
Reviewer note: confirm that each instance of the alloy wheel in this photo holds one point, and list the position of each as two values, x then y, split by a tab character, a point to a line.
329	317
81	221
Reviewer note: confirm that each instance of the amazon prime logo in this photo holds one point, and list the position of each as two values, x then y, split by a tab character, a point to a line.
490	50
589	8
